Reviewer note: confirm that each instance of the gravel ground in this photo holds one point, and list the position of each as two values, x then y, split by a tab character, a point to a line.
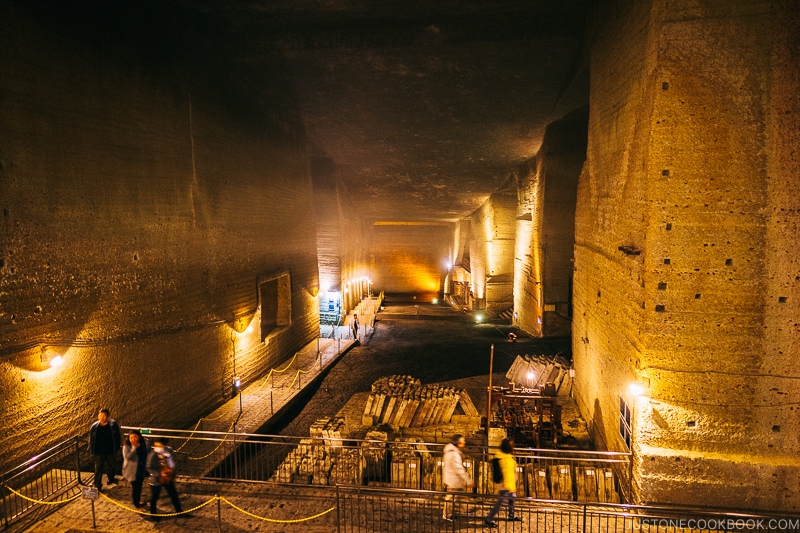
434	343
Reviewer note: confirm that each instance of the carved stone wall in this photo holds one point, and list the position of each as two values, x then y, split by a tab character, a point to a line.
140	212
545	229
686	277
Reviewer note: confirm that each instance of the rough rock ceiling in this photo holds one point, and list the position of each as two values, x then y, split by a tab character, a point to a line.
422	107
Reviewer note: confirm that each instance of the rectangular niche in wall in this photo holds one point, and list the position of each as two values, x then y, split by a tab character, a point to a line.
276	304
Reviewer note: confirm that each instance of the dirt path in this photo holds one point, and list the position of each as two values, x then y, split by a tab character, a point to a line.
433	343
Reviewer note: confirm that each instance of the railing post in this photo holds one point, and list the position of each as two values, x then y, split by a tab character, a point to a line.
78	458
219	513
338	511
584	518
235	456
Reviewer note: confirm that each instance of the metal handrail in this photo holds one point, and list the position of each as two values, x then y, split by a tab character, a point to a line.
53	474
326	460
47	477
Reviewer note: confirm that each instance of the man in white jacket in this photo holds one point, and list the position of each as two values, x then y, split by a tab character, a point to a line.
454	475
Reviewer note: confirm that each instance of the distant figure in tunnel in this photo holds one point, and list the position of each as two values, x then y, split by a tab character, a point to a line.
162	467
105	440
355	327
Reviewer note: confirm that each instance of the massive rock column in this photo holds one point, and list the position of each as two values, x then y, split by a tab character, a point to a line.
686	262
492	252
545	228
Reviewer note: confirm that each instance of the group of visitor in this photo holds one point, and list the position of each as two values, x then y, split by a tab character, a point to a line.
139	462
456	479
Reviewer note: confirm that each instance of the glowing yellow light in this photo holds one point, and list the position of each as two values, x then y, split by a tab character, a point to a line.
56	361
249	329
636	389
530	376
435	301
478	318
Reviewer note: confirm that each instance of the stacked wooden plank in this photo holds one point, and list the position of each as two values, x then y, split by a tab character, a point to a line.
432	472
347	468
330	430
586	483
537	482
406	467
374	455
560	482
538	372
402	402
606	488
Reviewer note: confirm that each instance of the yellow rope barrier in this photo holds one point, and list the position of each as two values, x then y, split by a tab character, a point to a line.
274	520
190	436
269	375
295	379
284	369
215	418
41	501
222	499
218	445
145	513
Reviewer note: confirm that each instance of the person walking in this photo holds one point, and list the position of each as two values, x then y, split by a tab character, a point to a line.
508	486
355	327
162	467
105	439
134	465
454	476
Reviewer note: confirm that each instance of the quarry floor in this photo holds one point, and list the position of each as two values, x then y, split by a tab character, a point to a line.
433	343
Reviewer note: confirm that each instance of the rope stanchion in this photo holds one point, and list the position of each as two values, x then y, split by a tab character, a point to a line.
42	502
275	520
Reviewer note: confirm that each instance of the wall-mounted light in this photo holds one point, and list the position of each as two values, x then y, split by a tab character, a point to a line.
237	384
636	389
56	361
478	318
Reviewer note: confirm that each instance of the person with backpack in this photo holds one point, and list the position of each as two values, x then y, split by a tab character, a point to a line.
162	467
505	478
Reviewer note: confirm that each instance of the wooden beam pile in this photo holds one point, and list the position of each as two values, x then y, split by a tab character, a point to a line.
330	430
347	468
402	402
374	455
406	467
537	482
596	485
561	482
547	372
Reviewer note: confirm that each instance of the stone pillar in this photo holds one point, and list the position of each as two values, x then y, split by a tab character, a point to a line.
686	269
